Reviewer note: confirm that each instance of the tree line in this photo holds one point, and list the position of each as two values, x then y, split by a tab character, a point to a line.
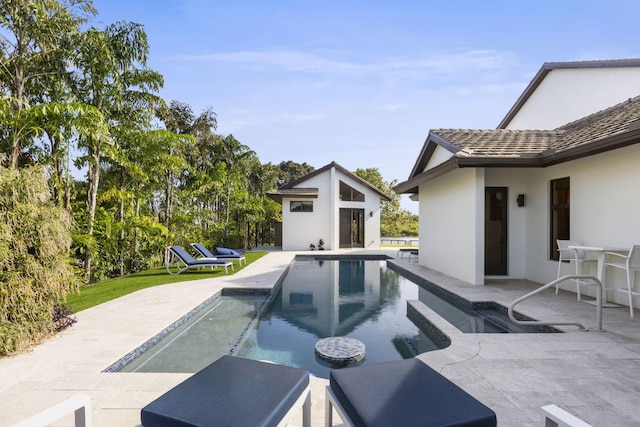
77	96
73	96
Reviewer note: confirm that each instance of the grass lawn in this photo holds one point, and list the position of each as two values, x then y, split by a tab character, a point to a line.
107	290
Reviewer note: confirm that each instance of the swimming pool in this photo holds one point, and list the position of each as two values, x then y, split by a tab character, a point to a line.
320	296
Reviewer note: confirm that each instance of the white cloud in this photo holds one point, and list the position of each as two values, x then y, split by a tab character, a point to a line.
430	65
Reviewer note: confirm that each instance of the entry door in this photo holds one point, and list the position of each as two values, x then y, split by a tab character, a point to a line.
495	231
351	228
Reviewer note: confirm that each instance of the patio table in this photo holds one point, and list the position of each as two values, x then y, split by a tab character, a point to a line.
600	250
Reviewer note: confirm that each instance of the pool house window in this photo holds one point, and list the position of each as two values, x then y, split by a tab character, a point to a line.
350	194
301	206
560	214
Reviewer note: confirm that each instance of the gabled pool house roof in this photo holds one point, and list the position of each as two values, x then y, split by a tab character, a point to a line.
612	128
291	190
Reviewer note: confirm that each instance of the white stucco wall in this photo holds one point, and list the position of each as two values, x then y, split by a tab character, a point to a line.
440	155
300	229
566	95
605	207
451	228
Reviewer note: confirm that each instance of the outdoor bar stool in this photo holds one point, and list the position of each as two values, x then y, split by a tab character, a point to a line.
233	391
403	393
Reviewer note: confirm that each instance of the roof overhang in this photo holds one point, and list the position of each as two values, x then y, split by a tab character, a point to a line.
543	159
293	193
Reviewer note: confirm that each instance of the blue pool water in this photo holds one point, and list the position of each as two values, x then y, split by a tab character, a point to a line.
319	297
361	299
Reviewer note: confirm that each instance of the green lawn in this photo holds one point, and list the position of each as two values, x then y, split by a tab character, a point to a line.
107	290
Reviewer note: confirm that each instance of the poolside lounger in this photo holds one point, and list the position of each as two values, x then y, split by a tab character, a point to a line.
184	261
220	253
403	393
233	391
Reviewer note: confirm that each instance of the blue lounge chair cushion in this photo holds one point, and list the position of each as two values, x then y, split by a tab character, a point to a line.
232	391
405	393
225	251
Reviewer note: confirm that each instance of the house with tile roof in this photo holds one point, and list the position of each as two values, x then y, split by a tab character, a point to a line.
562	92
329	204
493	202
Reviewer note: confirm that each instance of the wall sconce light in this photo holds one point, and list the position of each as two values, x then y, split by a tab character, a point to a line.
520	200
371	214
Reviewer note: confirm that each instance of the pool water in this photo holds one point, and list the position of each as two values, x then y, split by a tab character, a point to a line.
198	339
319	297
361	299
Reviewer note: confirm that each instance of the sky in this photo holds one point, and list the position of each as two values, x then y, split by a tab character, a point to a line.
362	82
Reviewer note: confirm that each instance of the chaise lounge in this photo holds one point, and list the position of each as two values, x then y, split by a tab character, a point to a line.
403	393
220	253
184	261
233	391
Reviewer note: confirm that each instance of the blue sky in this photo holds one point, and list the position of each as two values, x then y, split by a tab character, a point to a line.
362	82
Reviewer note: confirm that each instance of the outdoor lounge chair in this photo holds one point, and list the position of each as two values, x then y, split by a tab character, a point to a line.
402	393
220	253
184	261
233	391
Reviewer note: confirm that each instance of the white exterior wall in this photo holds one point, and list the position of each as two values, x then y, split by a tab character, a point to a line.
451	228
566	95
605	208
300	229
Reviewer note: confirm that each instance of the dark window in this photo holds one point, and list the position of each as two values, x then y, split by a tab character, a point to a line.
560	214
349	194
301	206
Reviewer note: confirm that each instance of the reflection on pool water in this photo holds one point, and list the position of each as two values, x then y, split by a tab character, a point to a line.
361	299
319	297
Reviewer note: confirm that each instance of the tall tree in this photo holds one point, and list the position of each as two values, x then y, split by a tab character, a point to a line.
111	71
31	50
290	171
180	119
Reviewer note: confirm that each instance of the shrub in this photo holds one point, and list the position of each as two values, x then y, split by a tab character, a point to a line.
35	273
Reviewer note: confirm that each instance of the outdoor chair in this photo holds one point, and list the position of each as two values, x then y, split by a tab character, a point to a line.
234	391
402	393
184	261
630	263
579	257
220	253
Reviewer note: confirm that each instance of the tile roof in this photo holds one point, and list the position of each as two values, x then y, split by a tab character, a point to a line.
506	143
603	124
612	128
497	143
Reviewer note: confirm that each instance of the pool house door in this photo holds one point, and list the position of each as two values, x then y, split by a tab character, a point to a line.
495	231
351	228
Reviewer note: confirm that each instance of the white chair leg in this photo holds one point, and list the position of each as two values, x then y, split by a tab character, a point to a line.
559	268
630	289
578	271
